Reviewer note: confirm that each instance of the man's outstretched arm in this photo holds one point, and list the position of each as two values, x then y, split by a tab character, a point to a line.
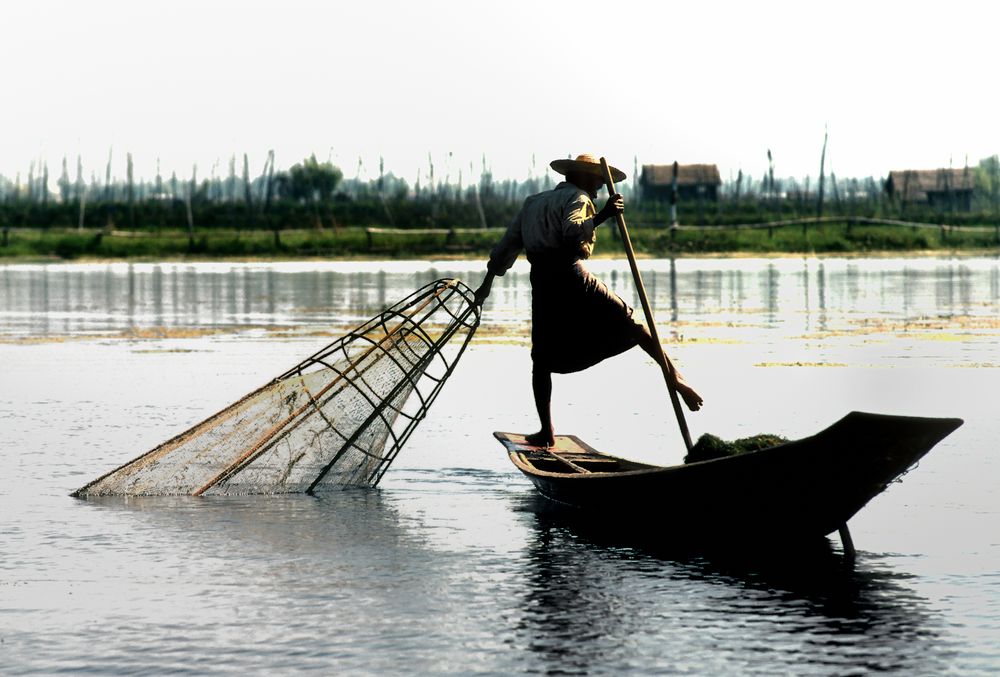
484	288
502	257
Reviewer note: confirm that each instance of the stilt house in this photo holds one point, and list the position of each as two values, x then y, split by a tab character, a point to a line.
941	188
694	182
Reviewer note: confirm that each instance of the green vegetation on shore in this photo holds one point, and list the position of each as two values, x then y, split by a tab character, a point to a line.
358	242
311	211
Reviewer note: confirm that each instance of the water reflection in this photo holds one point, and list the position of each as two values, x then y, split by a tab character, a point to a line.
354	519
594	597
44	300
454	573
736	300
290	583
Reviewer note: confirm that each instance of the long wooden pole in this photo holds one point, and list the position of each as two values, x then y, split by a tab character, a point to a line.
668	371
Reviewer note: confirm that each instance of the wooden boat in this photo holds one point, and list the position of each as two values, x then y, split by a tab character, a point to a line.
806	488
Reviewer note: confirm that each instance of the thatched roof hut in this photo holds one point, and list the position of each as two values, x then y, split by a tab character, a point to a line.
698	181
934	187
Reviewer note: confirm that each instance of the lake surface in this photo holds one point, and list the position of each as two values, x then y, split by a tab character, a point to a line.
453	565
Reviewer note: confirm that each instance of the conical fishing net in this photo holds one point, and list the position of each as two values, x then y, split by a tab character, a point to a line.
338	418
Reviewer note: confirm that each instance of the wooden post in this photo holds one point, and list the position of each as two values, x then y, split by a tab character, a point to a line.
247	193
381	191
836	194
847	541
268	182
190	208
906	194
5	214
673	203
770	182
64	190
83	208
478	200
268	195
822	177
80	184
665	366
673	197
635	180
131	190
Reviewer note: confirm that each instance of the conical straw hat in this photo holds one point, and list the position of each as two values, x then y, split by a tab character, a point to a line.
586	164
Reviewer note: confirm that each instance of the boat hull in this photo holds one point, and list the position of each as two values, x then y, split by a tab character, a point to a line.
809	487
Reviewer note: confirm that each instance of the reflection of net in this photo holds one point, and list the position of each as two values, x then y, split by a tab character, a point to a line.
339	418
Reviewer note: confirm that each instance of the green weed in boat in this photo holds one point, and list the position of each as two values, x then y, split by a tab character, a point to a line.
709	446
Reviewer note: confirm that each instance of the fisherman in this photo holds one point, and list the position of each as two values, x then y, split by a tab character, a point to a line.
576	321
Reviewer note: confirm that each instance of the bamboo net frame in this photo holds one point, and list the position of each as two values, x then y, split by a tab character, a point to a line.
338	418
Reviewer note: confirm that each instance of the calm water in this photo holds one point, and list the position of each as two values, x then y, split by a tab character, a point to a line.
453	565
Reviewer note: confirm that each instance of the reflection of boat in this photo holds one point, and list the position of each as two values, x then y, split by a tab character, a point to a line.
805	488
598	600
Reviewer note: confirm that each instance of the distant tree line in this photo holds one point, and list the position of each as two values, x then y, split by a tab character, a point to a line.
316	194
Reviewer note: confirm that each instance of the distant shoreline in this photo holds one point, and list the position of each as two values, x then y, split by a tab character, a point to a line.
431	258
378	244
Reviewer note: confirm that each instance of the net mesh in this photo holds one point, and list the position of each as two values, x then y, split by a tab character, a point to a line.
338	418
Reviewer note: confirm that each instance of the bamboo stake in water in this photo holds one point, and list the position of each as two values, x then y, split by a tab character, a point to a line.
668	371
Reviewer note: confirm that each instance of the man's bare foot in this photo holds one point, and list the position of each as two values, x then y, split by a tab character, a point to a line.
543	438
691	398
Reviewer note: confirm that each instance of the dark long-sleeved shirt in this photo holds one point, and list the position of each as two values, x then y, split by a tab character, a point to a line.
559	222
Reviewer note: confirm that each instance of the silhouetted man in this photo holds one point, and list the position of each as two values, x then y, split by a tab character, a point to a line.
576	321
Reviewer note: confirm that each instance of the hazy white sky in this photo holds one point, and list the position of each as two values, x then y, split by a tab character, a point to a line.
900	84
